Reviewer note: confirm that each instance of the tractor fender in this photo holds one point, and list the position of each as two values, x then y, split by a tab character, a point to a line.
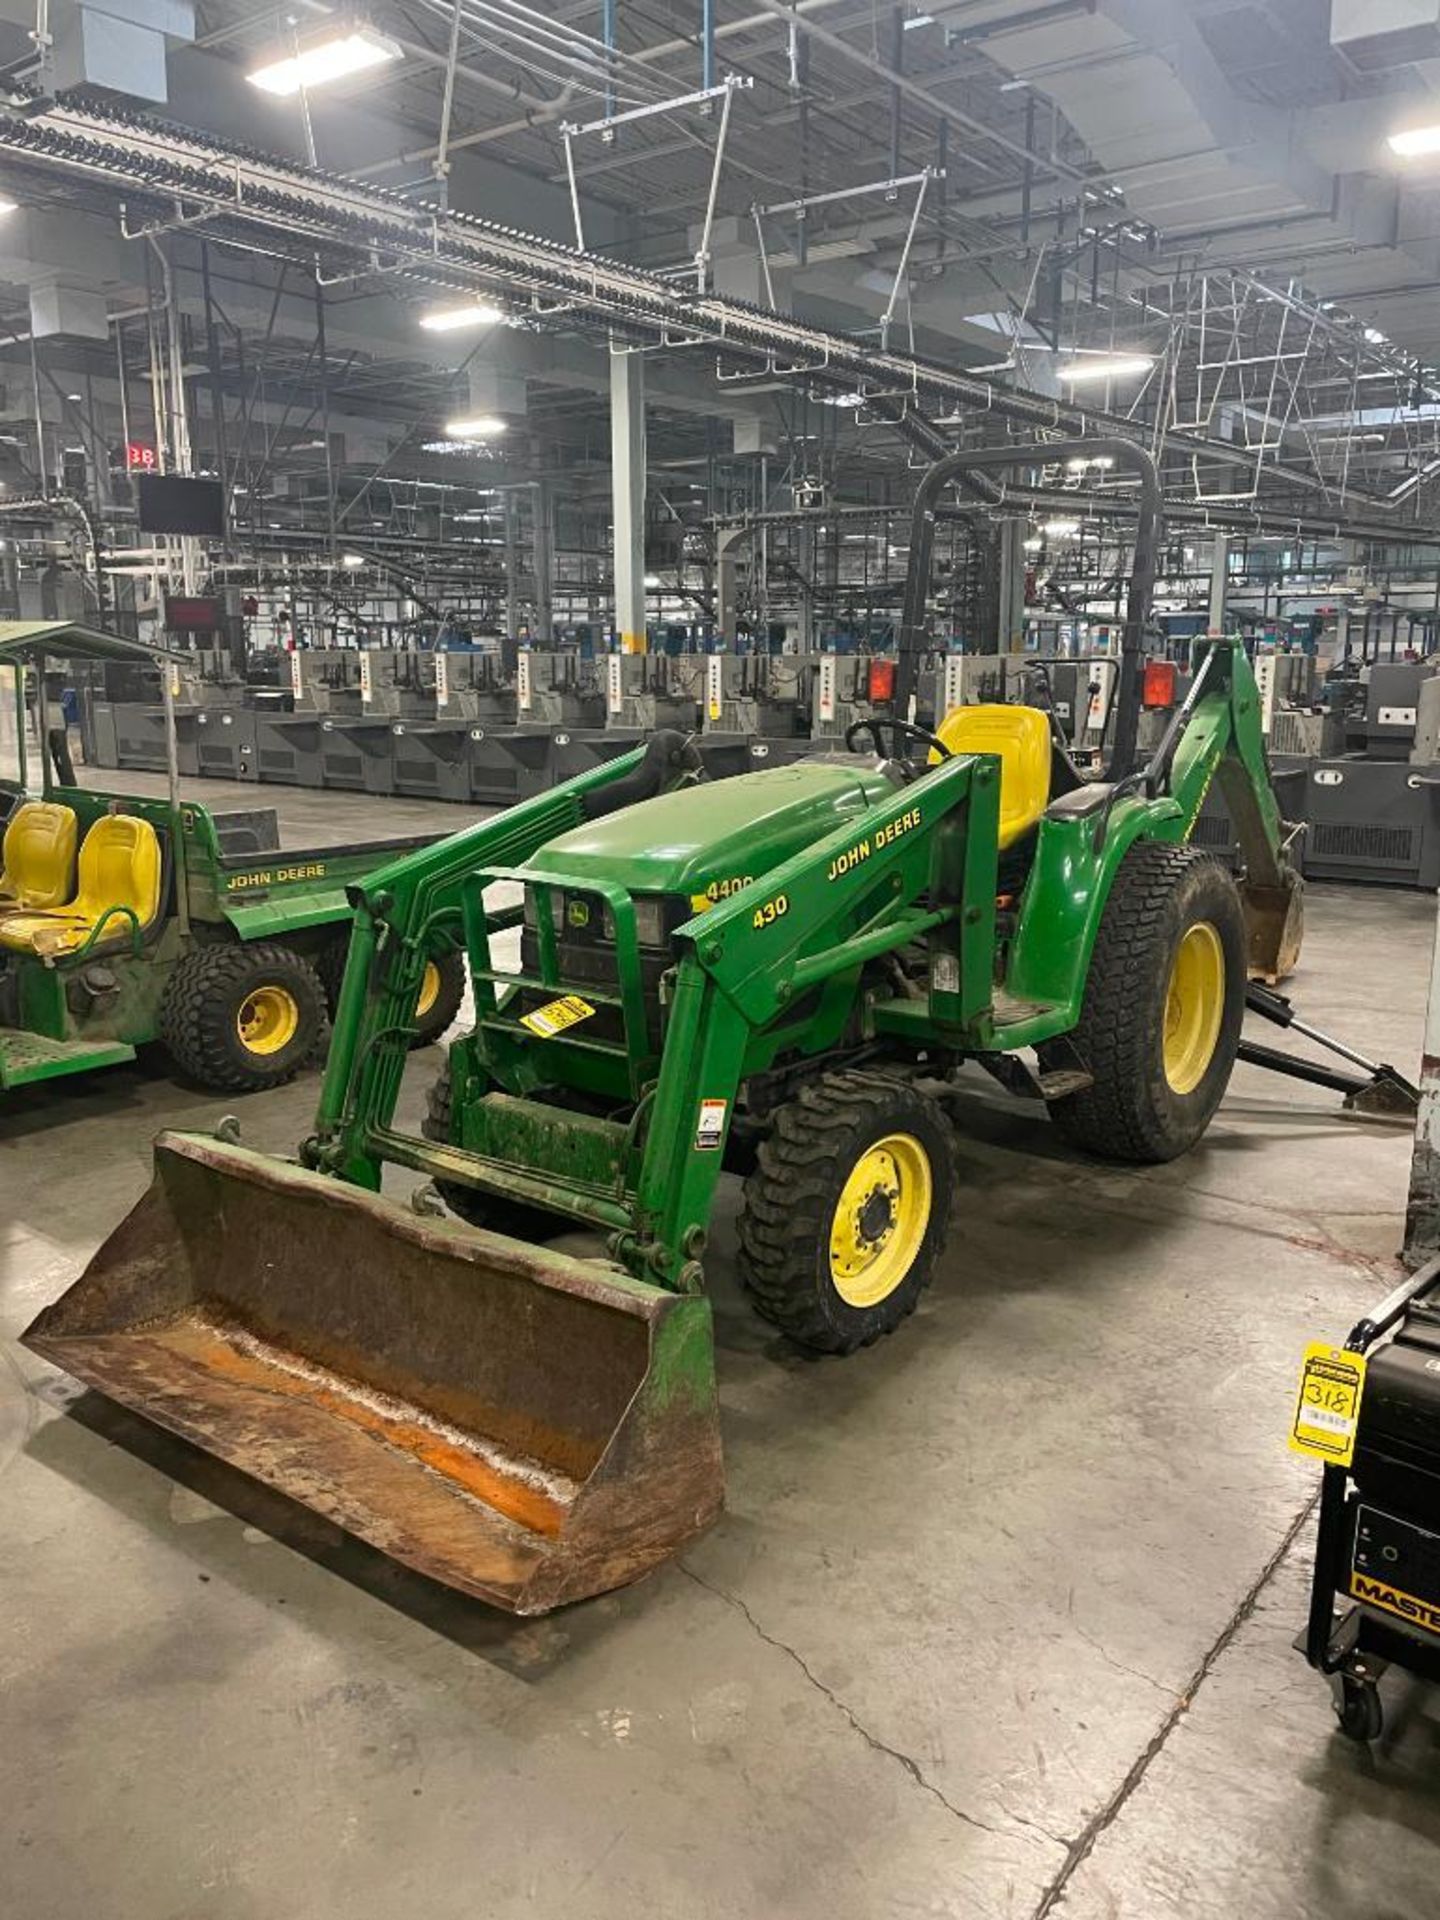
1066	895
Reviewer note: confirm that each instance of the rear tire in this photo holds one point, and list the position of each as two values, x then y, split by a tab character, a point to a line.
846	1210
476	1209
1163	1007
444	991
239	1019
441	992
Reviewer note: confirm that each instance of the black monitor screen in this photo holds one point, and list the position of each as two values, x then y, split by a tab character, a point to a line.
174	503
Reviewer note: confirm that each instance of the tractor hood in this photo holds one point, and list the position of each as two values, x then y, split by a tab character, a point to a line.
717	833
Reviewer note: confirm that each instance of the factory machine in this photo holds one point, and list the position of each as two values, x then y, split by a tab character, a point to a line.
1373	791
754	713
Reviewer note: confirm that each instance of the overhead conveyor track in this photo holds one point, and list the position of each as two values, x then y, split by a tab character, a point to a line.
178	178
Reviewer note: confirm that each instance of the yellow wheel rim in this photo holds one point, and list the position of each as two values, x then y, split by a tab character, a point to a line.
268	1020
880	1220
1194	1007
429	990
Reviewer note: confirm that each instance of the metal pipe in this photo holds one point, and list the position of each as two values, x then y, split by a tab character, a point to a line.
39	419
442	156
119	326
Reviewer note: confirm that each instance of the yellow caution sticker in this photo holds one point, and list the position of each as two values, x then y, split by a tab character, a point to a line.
1327	1405
556	1016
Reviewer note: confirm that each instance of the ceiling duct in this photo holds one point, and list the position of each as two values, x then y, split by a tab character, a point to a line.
1379	36
120	45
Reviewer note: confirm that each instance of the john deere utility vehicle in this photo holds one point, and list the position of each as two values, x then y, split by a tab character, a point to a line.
778	974
124	920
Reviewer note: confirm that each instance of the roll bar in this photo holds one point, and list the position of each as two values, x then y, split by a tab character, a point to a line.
968	468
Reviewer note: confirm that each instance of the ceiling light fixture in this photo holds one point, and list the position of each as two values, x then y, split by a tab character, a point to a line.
474	313
1412	142
1108	366
1062	529
352	559
325	60
479	426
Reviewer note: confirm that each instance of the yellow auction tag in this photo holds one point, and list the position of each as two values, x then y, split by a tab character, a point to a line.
1327	1406
554	1018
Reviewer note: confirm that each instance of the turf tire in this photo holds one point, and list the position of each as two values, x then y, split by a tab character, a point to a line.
789	1205
199	1015
330	965
1131	1112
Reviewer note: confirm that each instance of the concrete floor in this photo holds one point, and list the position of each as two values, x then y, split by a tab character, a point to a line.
997	1622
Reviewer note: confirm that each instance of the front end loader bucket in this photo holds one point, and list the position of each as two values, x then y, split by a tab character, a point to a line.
523	1426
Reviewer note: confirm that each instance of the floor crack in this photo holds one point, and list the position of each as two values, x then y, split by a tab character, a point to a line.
1109	1658
1081	1846
912	1767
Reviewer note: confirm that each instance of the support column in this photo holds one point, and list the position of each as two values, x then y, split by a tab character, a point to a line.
542	550
512	564
627	495
805	630
1219	580
1011	633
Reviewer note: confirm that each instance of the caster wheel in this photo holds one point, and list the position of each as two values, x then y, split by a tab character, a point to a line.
1359	1711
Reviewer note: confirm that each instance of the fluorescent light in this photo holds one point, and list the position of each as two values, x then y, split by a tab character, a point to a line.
1033	544
352	559
474	313
918	20
1414	141
1108	366
1376	337
1079	464
477	426
1062	529
325	60
652	580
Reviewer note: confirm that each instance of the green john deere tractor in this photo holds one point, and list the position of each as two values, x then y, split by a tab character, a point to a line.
778	975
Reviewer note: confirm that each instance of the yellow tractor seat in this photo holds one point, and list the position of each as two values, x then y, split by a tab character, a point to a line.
39	856
1020	736
120	866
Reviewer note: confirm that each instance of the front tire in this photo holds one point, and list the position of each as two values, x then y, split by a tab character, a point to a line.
846	1210
239	1019
1164	1002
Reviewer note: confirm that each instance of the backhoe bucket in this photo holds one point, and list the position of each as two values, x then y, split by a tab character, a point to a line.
523	1426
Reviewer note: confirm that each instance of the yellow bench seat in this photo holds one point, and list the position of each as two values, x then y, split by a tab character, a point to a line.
120	868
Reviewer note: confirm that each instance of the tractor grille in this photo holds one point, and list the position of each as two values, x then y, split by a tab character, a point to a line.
591	963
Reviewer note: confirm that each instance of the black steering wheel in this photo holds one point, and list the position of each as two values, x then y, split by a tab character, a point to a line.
900	730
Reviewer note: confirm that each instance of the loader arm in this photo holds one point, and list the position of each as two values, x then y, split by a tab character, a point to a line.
403	912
